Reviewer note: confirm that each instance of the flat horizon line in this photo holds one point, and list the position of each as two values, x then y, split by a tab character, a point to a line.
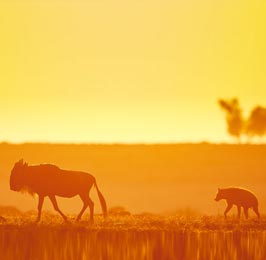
129	143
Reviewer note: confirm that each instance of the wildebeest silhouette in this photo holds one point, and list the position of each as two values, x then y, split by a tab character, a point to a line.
239	197
49	180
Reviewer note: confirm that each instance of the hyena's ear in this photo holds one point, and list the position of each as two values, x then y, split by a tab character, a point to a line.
20	161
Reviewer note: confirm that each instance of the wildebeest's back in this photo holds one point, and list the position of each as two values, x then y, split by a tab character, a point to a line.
73	182
241	197
48	179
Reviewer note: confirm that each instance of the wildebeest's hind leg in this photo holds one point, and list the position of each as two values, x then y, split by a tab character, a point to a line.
229	206
40	203
86	202
54	202
256	210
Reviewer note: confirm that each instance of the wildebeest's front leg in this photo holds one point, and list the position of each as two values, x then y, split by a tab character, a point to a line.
229	206
40	203
54	202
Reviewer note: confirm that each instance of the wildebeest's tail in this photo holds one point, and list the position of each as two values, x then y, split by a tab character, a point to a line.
102	200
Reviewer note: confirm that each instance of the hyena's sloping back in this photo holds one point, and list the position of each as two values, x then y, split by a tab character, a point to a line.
240	196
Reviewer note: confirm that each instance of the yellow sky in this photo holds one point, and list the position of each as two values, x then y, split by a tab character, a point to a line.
127	71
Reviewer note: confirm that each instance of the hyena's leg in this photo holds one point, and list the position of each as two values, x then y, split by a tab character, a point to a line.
256	210
229	206
238	211
246	212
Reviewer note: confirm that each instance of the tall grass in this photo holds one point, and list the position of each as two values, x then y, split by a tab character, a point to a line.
133	237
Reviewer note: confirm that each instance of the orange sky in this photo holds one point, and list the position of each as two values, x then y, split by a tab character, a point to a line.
127	71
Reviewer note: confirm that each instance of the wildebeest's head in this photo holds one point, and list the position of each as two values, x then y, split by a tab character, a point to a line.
219	195
17	177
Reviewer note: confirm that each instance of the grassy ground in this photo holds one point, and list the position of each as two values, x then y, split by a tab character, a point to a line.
142	236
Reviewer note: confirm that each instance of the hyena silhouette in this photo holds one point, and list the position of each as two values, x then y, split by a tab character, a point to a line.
239	197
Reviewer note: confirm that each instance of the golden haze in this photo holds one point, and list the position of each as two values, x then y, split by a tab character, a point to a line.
132	71
127	71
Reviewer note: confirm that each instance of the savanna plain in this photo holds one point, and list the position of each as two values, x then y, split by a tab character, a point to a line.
160	199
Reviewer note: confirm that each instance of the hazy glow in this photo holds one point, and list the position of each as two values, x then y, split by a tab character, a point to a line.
127	71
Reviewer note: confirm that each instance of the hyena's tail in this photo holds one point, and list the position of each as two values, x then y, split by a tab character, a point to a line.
102	200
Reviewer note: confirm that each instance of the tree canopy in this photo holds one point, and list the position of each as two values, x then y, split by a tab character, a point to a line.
254	125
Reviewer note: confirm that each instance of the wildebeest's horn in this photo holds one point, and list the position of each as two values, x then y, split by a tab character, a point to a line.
21	161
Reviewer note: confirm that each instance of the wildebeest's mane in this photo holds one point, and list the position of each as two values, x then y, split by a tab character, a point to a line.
52	166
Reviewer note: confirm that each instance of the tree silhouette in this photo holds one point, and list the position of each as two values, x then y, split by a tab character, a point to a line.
234	119
256	123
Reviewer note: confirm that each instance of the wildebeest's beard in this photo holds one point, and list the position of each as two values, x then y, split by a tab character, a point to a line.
17	183
28	190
